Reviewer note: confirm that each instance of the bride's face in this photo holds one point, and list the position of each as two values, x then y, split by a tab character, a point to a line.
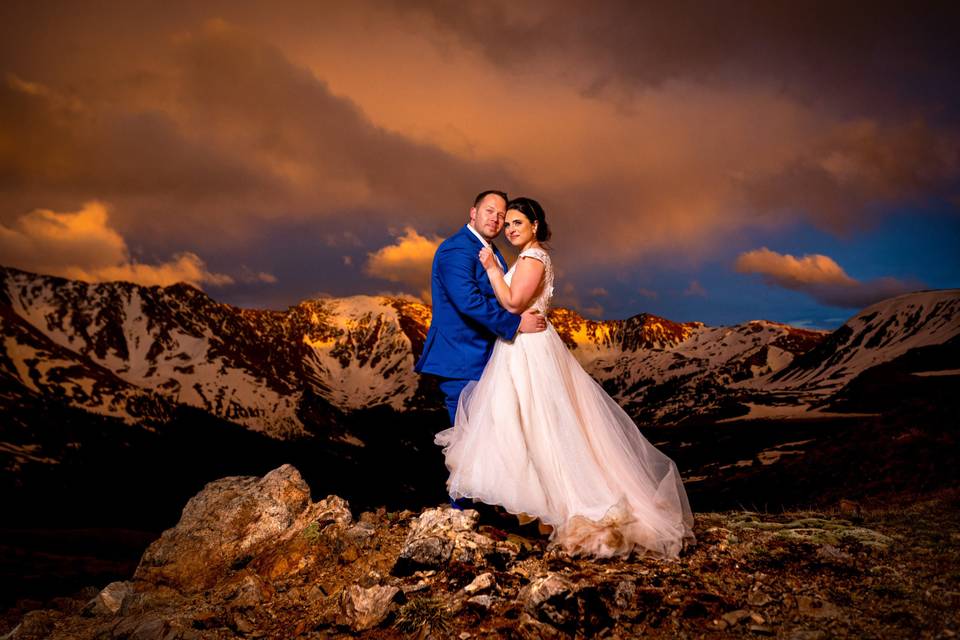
518	229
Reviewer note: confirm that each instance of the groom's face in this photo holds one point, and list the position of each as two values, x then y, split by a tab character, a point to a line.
487	217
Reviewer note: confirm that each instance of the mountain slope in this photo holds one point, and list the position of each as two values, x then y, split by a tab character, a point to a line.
251	367
134	352
879	334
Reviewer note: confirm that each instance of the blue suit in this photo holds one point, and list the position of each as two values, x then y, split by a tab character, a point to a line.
466	316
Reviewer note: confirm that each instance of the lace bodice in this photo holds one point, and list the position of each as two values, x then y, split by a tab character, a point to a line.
542	302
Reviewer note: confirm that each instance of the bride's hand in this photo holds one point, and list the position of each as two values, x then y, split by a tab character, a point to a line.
487	259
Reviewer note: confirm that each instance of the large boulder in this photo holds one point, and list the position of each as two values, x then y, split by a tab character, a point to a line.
232	519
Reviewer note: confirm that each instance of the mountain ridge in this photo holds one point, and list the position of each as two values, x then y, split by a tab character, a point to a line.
110	347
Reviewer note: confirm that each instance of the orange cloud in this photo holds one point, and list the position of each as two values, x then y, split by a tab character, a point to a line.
408	261
791	272
820	277
82	245
668	134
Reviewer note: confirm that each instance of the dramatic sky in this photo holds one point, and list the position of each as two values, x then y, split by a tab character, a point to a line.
721	162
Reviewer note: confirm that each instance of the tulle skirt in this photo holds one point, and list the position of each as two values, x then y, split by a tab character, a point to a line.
538	436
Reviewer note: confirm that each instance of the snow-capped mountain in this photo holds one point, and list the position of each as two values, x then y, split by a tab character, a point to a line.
360	350
663	371
135	352
109	348
879	333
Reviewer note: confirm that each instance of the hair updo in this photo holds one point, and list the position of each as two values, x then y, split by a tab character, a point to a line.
534	213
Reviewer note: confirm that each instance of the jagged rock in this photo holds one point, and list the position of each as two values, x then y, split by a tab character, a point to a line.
533	596
482	582
35	625
251	592
482	602
108	601
431	538
734	618
625	594
147	598
372	579
362	609
551	598
361	532
476	548
444	534
229	521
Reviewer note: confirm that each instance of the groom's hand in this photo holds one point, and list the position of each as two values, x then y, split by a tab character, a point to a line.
532	321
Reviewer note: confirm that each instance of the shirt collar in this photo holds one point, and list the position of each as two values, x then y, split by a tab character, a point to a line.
483	240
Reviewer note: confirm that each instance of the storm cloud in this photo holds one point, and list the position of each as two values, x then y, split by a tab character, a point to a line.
653	134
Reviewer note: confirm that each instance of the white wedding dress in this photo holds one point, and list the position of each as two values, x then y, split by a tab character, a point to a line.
539	437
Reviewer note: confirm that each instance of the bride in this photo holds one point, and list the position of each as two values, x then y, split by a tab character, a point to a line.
539	437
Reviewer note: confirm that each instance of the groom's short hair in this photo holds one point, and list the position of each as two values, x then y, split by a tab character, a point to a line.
484	194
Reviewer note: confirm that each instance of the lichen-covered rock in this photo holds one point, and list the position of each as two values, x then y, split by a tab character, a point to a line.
442	535
431	539
322	575
108	601
362	609
815	530
231	519
550	598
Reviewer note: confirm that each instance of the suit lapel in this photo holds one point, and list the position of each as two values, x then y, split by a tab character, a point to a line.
475	240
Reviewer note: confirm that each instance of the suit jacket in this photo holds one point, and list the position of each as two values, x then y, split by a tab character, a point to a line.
466	315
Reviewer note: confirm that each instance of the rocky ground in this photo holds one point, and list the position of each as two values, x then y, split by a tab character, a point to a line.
255	557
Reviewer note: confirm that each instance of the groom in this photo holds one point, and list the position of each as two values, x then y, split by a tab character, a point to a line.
466	315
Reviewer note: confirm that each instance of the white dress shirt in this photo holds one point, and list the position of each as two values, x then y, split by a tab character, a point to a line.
486	243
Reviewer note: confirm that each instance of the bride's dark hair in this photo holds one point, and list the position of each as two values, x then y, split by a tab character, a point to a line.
534	213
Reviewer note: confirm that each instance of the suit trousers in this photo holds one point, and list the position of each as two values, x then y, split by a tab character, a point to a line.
452	387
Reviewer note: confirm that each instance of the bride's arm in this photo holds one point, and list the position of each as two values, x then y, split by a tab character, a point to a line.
518	295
